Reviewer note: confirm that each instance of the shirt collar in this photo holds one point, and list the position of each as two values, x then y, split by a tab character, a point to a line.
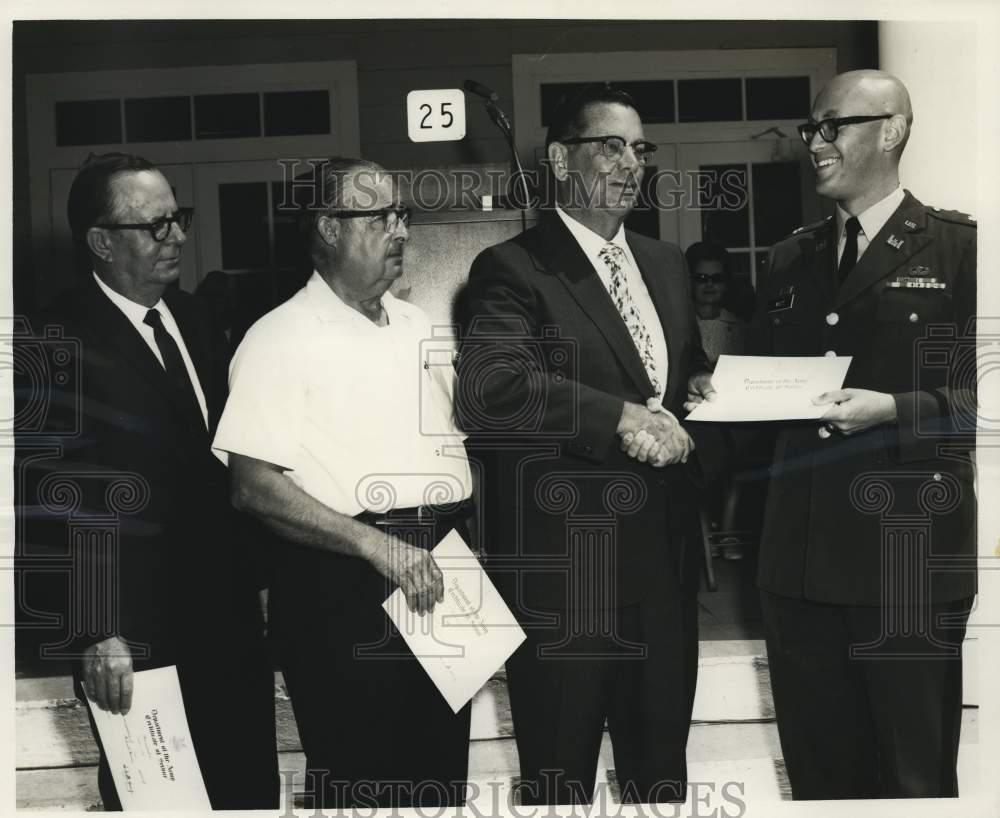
874	218
329	307
590	242
136	313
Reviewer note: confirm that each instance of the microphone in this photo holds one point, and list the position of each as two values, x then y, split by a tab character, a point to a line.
481	90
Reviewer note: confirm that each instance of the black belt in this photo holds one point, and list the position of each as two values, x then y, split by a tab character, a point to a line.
418	515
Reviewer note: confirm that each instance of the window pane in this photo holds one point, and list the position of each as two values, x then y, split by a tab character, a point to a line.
721	193
226	116
709	100
94	122
552	92
654	99
243	225
160	119
292	113
778	98
777	201
740	297
288	249
761	259
645	218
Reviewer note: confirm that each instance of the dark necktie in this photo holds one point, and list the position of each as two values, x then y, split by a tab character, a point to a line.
173	363
850	256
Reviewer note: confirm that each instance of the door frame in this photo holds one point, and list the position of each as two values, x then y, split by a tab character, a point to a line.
43	91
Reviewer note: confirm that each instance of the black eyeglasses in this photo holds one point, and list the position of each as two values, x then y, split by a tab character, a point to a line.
705	278
613	147
159	229
391	216
829	128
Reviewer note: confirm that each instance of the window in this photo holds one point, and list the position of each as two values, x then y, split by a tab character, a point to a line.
216	116
91	122
158	119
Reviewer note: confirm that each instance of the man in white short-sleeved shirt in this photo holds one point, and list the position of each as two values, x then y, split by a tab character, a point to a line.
339	434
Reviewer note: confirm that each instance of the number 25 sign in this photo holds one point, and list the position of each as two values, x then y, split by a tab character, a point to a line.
436	116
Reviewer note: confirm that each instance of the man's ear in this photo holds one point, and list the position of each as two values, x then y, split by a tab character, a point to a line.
99	242
328	228
894	132
557	160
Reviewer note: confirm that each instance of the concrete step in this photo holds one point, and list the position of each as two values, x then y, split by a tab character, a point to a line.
727	764
733	732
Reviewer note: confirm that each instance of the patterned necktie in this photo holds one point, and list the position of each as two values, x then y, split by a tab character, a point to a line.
849	258
613	256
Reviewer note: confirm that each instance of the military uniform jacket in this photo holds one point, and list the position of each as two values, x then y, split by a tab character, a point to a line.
887	515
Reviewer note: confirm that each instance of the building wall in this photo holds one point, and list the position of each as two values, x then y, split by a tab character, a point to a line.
392	56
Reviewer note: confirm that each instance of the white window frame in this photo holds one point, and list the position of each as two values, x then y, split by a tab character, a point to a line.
339	77
531	71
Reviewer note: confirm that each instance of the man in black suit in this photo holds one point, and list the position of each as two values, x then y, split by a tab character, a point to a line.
578	340
172	588
867	569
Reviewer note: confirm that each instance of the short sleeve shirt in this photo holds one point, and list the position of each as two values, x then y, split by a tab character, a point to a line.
359	416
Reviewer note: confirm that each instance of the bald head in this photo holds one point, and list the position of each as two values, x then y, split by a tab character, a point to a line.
867	92
867	114
878	92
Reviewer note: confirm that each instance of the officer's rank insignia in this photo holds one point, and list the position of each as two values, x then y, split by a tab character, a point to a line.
893	242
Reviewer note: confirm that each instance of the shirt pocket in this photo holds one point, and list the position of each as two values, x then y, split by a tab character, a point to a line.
915	308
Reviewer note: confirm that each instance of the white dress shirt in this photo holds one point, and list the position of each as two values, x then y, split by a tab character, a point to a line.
872	220
359	416
591	243
135	313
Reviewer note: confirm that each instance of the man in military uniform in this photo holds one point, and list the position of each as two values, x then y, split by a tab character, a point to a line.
867	553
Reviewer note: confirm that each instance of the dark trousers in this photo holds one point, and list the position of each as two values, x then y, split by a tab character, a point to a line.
567	679
230	712
374	728
883	723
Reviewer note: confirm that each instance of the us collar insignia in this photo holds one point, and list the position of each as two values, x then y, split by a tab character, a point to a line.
910	225
893	242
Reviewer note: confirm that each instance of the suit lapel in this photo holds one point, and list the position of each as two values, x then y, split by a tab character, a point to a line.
901	237
561	256
121	336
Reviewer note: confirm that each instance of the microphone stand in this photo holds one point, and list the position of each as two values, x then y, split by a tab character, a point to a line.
503	123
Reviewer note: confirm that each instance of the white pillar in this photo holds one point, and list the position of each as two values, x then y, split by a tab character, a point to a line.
936	61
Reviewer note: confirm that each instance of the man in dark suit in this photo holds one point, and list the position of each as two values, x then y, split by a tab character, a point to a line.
867	554
170	587
578	340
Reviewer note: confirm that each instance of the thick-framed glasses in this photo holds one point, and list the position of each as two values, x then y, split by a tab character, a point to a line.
613	147
391	216
159	229
829	128
705	278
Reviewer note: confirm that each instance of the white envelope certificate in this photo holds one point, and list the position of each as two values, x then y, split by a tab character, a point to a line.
149	750
753	387
469	635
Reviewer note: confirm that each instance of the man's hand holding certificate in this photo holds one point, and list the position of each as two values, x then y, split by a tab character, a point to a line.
149	749
468	635
760	388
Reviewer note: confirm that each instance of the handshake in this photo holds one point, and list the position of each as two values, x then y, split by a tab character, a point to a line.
651	434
